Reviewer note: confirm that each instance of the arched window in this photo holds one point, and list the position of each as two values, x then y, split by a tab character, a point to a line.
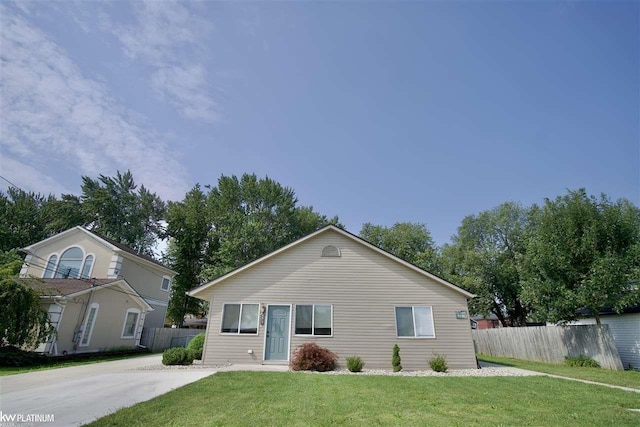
51	267
70	263
86	268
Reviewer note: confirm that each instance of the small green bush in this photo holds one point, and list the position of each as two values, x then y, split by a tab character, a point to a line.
196	345
177	356
355	363
582	360
396	360
311	357
438	363
13	356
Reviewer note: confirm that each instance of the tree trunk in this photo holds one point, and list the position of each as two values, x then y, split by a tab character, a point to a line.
597	316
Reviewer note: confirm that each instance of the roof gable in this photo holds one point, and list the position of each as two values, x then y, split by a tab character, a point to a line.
108	243
344	233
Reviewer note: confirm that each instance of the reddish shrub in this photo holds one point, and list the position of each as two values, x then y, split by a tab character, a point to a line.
311	357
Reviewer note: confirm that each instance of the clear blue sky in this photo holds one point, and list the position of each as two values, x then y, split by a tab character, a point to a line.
373	111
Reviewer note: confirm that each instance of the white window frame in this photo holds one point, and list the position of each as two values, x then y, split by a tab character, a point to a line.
168	286
241	304
124	325
84	262
91	326
313	321
55	265
413	315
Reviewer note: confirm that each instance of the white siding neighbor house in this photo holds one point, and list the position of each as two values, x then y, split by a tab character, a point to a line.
625	328
333	288
99	293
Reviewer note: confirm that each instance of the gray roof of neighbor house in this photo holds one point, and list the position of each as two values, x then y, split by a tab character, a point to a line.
63	287
129	250
66	288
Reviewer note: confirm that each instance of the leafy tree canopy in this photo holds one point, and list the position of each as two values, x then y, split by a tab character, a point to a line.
485	257
250	217
23	321
116	208
410	241
584	253
188	226
28	217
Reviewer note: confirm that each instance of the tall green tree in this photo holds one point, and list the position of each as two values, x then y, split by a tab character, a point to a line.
250	217
188	226
585	253
116	208
23	321
28	217
410	241
485	257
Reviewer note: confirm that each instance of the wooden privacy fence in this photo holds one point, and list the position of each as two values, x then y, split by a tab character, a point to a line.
159	339
550	343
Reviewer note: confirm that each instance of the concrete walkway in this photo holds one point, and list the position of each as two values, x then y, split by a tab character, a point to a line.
80	394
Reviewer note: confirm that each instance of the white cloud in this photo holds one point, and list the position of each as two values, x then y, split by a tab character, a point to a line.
52	118
166	37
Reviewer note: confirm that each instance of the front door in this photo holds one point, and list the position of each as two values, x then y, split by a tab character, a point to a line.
277	340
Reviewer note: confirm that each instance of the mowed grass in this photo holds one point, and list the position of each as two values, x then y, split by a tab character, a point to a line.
300	399
621	378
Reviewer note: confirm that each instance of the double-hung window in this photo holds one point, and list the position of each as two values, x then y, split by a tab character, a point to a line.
314	319
130	323
240	319
415	322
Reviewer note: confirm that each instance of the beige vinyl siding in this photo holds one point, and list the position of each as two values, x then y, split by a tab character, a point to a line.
101	255
363	286
113	305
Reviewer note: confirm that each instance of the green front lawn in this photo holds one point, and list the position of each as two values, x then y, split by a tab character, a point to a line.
621	378
55	364
279	399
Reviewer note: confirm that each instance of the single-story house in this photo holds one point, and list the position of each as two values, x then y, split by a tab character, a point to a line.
485	322
90	314
625	329
345	294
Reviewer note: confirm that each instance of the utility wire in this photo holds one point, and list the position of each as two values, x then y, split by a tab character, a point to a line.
88	280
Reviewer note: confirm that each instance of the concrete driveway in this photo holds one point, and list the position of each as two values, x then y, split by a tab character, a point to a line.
80	394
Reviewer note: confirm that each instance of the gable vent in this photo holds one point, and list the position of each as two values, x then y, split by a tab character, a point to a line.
330	251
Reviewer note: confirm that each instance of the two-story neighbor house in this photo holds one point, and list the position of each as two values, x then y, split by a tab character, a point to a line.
98	292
